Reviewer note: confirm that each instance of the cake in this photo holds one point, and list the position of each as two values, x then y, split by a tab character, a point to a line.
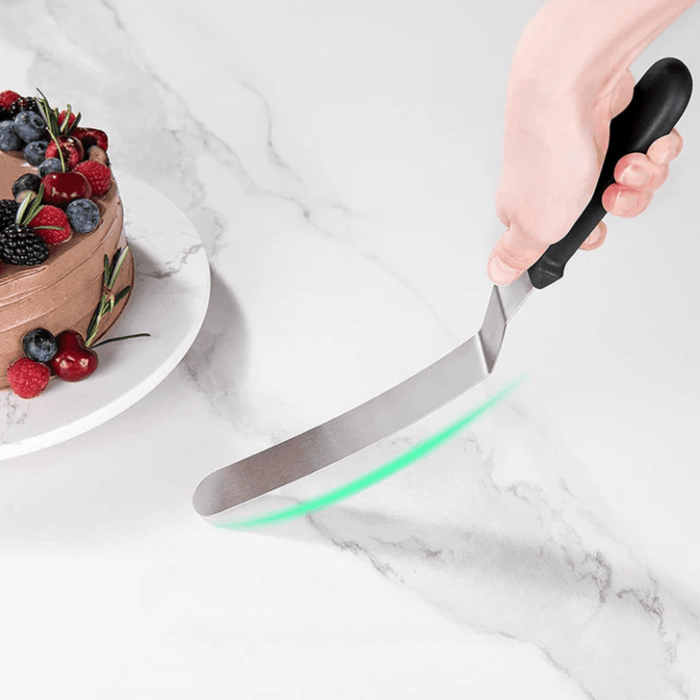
66	271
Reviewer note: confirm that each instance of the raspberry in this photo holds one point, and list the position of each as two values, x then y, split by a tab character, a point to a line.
99	176
7	98
90	136
27	378
62	118
51	225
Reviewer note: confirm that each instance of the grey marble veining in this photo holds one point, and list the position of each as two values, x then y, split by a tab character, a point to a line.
339	164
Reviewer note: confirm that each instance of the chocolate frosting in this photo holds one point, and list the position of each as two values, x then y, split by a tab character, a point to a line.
63	292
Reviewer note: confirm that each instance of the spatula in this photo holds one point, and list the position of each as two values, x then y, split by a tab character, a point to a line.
659	100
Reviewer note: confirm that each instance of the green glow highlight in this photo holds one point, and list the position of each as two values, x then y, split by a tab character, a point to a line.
375	476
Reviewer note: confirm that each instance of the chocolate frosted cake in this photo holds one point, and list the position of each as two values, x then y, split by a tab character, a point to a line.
65	268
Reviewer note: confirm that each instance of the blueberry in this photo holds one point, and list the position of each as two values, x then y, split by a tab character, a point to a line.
9	141
30	181
50	165
35	152
39	345
83	215
29	126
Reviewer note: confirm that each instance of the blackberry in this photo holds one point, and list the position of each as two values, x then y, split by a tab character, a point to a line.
23	104
8	212
19	245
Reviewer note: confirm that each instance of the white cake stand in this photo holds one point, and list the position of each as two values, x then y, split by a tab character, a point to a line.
169	301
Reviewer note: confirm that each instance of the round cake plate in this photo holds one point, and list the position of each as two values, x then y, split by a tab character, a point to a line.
169	301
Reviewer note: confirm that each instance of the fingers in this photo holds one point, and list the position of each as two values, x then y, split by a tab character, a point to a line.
638	172
514	253
597	237
665	149
509	260
638	176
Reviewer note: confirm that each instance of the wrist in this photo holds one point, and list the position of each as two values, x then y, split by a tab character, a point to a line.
579	49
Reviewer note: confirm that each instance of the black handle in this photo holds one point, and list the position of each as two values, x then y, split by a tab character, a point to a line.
659	100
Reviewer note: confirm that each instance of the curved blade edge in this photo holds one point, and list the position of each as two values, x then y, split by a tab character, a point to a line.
382	416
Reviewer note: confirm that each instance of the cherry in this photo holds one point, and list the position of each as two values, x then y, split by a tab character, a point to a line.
61	189
71	148
73	361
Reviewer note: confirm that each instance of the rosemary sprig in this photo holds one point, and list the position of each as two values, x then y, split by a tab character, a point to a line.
108	300
123	337
51	118
65	126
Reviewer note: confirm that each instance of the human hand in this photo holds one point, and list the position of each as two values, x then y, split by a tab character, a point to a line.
554	150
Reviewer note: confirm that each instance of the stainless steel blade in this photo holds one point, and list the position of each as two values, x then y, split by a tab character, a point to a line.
370	422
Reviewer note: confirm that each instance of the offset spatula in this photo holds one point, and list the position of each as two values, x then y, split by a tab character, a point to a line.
659	100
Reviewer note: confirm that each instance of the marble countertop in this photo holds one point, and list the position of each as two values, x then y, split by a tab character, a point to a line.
339	161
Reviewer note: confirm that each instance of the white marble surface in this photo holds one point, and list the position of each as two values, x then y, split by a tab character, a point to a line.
339	161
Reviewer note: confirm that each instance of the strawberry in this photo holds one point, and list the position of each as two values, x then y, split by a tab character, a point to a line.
65	129
27	378
7	98
99	176
51	224
71	148
91	137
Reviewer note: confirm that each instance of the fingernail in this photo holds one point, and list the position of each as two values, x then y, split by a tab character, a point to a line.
634	176
500	272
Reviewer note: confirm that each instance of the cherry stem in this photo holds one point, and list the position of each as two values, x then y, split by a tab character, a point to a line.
123	337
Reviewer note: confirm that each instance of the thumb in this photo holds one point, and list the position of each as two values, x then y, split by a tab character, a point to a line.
514	253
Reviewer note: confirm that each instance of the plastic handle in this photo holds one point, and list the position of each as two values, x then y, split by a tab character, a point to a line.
659	100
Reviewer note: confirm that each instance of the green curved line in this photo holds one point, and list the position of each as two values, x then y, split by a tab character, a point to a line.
385	471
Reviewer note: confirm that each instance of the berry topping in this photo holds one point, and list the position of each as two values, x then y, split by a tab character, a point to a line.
28	181
67	120
62	188
73	360
51	225
50	165
91	137
8	212
71	149
40	345
29	126
27	378
83	215
19	245
9	141
35	152
7	98
23	104
98	175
